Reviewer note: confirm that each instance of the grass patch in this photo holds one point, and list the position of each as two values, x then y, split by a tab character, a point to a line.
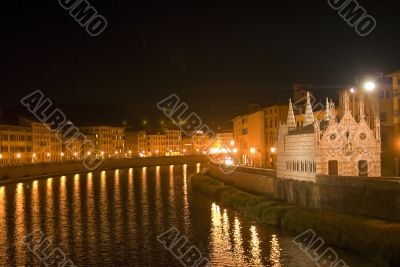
374	239
257	208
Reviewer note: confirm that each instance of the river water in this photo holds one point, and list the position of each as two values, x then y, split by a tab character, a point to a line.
113	218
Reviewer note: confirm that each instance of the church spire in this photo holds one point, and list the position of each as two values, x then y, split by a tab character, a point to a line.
327	116
309	115
362	109
346	103
332	110
291	121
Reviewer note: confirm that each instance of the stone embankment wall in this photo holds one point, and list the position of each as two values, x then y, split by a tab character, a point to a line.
366	196
18	173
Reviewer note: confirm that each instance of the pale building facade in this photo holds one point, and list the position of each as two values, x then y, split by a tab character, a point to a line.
174	141
223	140
15	145
156	144
329	147
201	143
109	141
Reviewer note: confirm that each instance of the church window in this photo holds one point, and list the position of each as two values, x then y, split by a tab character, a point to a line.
333	167
363	136
363	168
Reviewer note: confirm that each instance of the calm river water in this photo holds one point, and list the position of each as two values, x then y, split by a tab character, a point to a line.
113	218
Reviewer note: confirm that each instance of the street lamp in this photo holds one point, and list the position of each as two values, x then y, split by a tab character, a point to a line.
369	86
273	152
252	152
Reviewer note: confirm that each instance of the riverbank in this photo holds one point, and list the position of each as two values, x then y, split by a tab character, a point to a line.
376	240
21	173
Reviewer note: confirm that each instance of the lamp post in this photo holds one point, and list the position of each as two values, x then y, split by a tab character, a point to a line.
273	153
369	87
252	152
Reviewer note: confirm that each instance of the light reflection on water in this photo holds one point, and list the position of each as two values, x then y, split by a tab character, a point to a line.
113	218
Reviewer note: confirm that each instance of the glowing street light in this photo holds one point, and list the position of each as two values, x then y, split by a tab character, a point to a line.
34	155
252	151
369	86
352	90
232	143
18	156
273	150
62	154
235	150
1	156
48	155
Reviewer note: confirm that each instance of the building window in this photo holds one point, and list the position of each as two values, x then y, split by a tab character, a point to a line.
333	167
363	168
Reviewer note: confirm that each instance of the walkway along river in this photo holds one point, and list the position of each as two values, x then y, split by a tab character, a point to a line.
113	218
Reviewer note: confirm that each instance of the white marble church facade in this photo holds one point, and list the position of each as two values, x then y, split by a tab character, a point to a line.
344	147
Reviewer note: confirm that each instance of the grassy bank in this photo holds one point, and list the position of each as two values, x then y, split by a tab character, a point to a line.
371	238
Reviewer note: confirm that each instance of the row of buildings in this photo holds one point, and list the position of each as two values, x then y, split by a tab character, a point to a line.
35	142
256	132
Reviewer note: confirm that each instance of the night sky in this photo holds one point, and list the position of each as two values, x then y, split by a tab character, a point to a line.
217	55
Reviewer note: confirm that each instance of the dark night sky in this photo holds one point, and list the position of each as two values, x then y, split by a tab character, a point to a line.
215	55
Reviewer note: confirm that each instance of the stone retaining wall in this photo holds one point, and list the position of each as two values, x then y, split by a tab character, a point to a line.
13	173
373	197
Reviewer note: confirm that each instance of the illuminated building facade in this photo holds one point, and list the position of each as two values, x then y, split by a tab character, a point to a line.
109	141
15	145
174	142
348	147
249	135
156	144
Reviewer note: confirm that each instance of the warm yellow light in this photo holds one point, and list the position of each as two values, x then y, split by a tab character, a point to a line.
48	154
232	143
102	153
62	154
352	90
273	149
116	152
130	152
89	153
1	156
75	154
34	155
235	150
18	156
252	150
369	86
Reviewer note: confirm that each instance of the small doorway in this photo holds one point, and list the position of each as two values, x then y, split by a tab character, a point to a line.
333	167
363	168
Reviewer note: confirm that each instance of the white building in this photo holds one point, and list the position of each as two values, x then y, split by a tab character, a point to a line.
329	147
